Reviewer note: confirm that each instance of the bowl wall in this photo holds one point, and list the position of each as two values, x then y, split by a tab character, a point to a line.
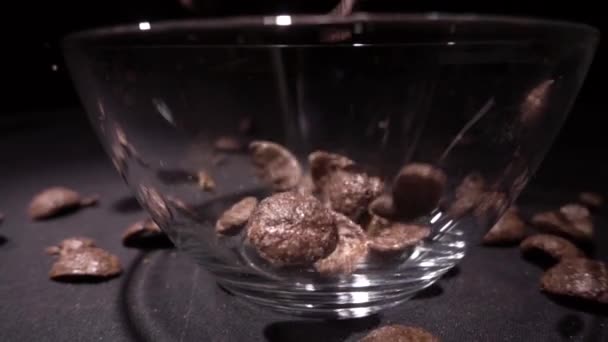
478	96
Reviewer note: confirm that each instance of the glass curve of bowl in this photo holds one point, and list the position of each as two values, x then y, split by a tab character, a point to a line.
478	99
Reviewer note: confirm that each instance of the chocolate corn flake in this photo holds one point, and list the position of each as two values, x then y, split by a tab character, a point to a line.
546	245
383	206
509	229
288	229
57	200
399	333
397	237
349	252
79	259
467	195
491	204
235	218
579	278
417	190
350	191
323	164
376	224
71	244
575	212
275	165
145	234
342	185
549	221
85	263
570	221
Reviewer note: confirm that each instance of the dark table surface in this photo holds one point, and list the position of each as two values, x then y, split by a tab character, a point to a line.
493	295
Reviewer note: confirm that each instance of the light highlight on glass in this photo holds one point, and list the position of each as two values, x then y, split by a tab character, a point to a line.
144	26
435	218
283	20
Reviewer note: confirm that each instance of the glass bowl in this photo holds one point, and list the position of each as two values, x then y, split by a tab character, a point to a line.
377	146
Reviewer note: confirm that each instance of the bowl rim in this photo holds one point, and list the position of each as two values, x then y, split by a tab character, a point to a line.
266	21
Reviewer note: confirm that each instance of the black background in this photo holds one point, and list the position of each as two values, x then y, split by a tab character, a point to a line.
33	31
31	34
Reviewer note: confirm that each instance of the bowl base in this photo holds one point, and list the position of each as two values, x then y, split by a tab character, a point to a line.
332	306
366	292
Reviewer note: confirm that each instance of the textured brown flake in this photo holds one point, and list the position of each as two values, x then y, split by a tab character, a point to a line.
467	195
323	164
397	237
350	251
571	221
490	205
56	200
70	245
509	229
145	234
578	277
292	229
234	219
79	259
399	333
350	191
275	165
555	247
417	190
